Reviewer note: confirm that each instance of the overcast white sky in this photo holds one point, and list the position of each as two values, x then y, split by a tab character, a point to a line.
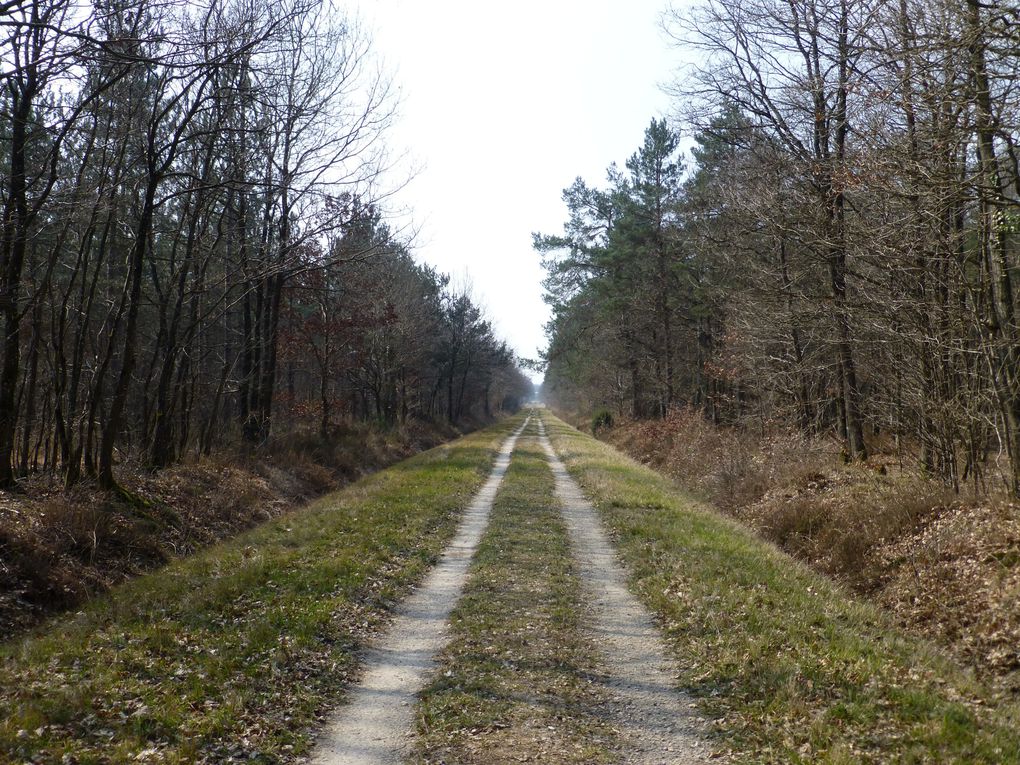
502	106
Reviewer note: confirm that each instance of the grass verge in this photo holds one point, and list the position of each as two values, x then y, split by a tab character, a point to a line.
60	548
231	655
791	668
519	680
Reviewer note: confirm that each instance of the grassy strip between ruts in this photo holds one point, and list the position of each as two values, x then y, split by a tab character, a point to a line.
232	654
792	668
519	680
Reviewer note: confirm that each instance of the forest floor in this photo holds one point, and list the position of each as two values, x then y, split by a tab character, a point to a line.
674	636
945	564
60	548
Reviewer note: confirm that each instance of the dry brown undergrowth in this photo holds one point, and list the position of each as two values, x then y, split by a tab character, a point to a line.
57	548
947	565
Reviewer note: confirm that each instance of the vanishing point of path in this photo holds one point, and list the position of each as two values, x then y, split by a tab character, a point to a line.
654	721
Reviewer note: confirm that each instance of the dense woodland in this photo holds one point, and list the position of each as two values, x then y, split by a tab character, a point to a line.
193	247
840	253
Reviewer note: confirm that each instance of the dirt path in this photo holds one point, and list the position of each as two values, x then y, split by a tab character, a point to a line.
374	725
523	678
655	720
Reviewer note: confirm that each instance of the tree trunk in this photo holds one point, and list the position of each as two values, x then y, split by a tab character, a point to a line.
115	417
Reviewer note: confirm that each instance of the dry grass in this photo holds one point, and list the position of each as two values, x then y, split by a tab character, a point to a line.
840	520
730	467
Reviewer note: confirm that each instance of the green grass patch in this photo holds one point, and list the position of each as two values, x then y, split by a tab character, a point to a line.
231	654
791	668
519	681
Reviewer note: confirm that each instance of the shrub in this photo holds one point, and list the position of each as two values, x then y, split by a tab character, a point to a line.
794	524
601	420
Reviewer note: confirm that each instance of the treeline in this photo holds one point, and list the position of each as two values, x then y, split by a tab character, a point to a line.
842	254
191	248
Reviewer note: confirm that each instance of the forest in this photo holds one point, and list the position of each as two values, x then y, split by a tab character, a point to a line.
275	489
194	243
838	255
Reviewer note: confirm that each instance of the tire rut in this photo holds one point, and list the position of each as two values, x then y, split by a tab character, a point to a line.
654	718
374	726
